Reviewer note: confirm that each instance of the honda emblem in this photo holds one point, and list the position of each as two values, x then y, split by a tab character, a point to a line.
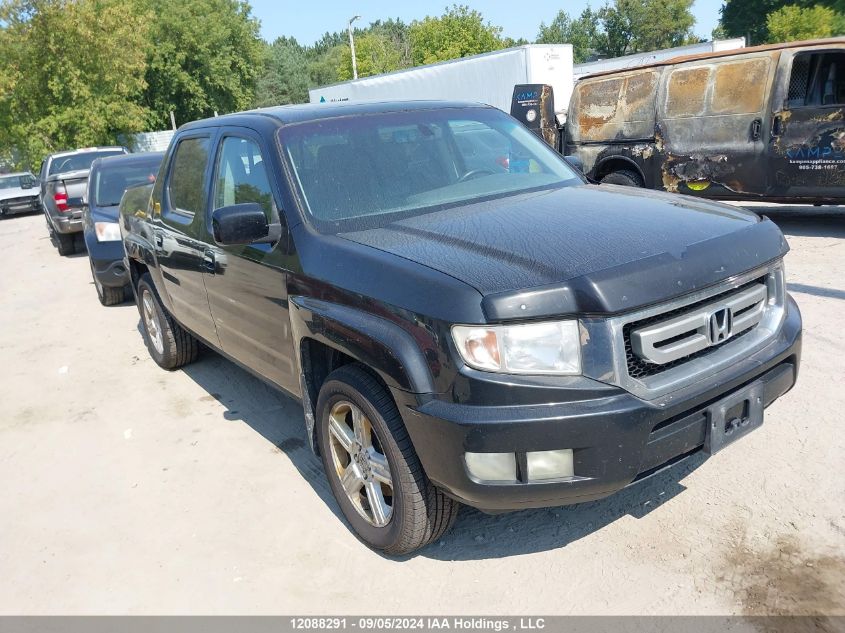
720	325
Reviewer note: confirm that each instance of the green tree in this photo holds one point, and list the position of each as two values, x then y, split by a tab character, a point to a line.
323	63
284	78
72	75
582	32
459	32
202	56
792	23
635	26
744	18
375	53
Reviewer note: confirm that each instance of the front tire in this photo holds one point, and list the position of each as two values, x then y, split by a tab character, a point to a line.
170	345
372	467
108	296
623	177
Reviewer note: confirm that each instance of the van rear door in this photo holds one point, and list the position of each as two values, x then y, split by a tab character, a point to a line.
712	115
807	148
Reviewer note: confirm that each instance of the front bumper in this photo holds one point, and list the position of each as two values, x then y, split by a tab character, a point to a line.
107	261
616	437
20	205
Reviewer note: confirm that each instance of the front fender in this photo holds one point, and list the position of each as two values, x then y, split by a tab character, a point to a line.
374	341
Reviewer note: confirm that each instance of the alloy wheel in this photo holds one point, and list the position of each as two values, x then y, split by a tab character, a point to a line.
360	463
151	321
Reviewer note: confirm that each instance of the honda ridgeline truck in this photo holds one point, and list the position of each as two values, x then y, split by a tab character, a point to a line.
465	319
64	183
764	123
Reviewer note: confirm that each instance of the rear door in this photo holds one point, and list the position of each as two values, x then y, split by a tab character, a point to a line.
712	115
178	233
247	284
807	148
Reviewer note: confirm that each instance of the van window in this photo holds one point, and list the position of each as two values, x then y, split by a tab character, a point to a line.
817	79
740	87
687	91
187	176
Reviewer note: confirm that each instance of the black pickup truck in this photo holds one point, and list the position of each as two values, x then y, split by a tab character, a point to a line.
465	319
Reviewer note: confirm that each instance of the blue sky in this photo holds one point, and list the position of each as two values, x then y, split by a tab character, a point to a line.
307	21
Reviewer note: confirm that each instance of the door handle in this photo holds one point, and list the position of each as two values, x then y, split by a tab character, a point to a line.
756	129
777	125
209	263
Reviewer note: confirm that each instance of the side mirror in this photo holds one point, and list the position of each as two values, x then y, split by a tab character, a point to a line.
575	162
243	224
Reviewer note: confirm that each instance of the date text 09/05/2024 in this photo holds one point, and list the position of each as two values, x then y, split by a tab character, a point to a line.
418	623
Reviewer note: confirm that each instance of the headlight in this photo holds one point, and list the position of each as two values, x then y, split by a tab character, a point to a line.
533	348
107	231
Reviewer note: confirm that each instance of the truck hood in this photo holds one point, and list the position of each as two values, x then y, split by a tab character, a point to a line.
17	192
584	249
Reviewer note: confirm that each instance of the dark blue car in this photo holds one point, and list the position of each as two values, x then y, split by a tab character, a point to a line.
108	180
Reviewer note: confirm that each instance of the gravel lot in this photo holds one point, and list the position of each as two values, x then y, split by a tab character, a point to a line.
128	489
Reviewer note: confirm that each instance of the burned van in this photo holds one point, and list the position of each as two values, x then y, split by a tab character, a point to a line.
763	123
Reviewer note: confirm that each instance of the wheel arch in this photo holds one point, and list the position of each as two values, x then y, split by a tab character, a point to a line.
617	162
328	336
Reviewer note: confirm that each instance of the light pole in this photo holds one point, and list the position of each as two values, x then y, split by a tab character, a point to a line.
352	46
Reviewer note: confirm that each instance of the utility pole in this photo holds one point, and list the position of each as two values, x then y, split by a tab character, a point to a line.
352	46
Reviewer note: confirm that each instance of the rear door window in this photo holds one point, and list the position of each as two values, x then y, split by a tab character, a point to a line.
687	91
740	87
185	186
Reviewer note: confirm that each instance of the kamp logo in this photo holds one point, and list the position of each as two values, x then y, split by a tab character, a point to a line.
815	153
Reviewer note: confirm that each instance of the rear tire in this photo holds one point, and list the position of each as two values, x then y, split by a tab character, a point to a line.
79	243
170	345
624	177
412	511
65	244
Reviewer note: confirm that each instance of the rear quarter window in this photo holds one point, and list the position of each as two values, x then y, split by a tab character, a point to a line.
617	107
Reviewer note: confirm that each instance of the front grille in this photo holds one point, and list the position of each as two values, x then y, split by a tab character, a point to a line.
23	200
639	368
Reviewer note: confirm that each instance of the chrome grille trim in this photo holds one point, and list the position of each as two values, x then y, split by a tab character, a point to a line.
703	327
604	356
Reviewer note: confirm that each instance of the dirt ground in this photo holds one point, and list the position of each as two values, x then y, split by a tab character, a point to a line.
128	489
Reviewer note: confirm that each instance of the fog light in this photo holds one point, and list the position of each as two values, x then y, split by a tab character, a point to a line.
550	464
492	466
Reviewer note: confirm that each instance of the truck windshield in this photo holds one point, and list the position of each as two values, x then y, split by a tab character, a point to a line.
14	182
111	181
359	172
83	160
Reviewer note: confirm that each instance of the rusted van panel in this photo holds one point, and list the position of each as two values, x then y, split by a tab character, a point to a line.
616	108
745	124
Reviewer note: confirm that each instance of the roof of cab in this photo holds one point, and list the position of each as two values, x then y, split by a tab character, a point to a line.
129	159
16	173
840	41
299	113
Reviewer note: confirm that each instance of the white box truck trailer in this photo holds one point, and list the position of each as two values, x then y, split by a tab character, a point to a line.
487	78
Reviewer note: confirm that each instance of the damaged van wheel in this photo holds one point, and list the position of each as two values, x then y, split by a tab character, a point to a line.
372	467
623	177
